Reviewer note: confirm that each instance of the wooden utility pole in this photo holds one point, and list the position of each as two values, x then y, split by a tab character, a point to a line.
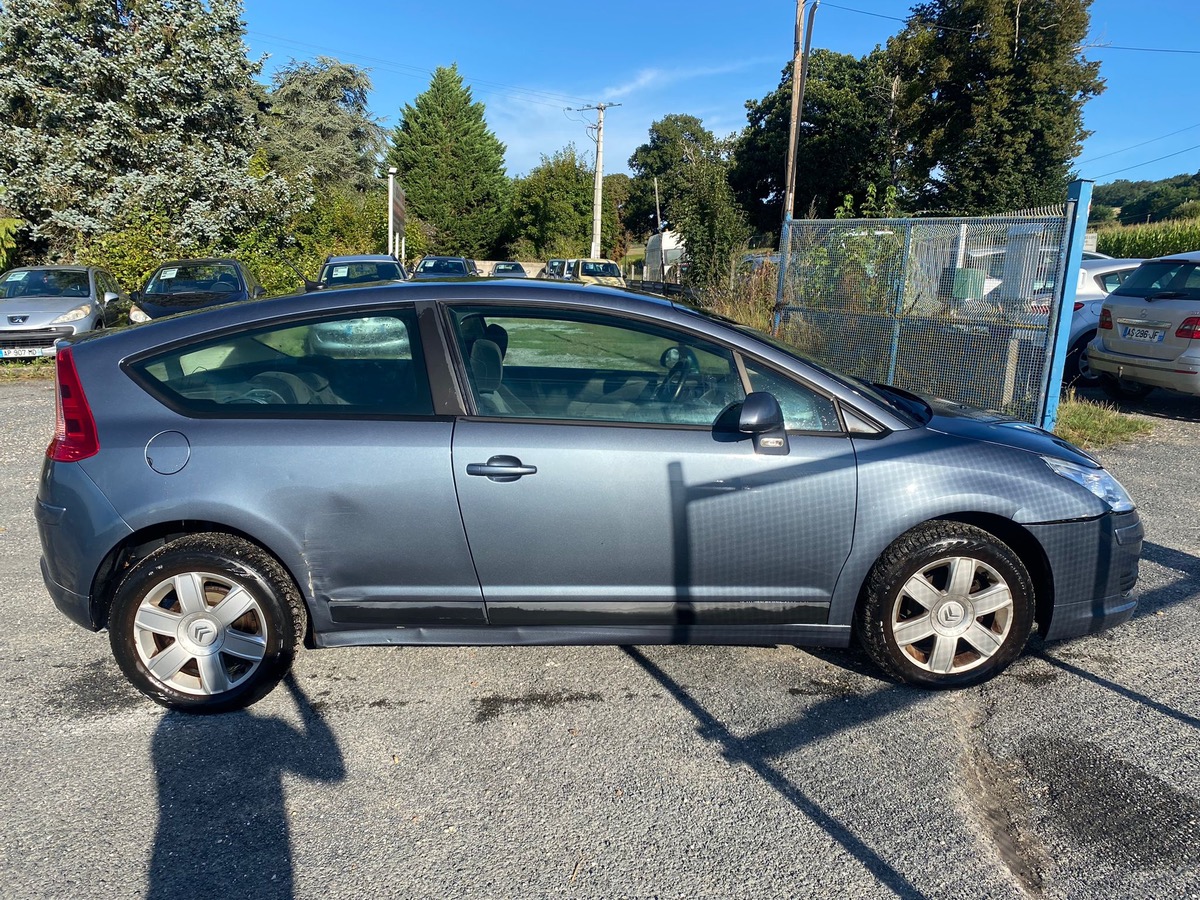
799	76
598	190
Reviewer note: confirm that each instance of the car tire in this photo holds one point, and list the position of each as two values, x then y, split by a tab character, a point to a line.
1077	372
1123	390
947	605
181	644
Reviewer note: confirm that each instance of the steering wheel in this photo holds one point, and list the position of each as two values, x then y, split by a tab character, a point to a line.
686	366
264	395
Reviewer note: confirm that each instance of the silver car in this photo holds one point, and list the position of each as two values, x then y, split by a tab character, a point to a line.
1097	279
42	304
544	463
1149	330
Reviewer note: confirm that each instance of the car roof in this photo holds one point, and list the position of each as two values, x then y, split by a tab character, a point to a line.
1108	265
361	257
1188	256
49	269
204	260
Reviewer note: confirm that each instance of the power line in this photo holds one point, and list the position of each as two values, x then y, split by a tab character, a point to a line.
1147	162
1144	49
1135	146
535	96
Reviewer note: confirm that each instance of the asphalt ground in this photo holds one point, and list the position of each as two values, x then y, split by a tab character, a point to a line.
613	772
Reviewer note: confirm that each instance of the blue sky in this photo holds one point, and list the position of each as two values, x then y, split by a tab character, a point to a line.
531	63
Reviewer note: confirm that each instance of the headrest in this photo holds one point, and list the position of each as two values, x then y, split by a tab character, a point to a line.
498	335
486	365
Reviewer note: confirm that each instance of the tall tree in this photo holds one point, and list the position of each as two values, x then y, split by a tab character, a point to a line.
709	219
116	108
614	236
844	144
991	101
671	137
452	167
319	124
552	208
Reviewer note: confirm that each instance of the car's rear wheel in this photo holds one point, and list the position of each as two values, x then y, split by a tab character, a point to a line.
1122	389
946	605
206	623
1077	372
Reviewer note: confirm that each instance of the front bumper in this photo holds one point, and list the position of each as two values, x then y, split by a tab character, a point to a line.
1179	374
18	343
1094	565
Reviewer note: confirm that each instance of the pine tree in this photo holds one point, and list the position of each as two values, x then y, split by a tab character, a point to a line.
991	100
451	167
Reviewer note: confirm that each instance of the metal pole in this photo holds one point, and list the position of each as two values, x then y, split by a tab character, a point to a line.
391	209
1079	201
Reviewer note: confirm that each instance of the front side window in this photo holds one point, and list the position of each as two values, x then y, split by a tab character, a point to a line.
368	364
803	408
592	367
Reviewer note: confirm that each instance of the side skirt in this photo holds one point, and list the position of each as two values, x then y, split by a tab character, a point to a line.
594	635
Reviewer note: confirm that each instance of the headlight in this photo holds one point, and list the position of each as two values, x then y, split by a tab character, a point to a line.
136	315
1098	481
74	315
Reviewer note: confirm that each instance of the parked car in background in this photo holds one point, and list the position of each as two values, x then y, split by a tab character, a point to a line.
596	271
443	267
1149	330
508	270
554	269
1097	278
344	271
193	284
40	304
498	462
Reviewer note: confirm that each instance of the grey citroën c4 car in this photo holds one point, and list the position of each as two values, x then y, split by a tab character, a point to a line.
539	463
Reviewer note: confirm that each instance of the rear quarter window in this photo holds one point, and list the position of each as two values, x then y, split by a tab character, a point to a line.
346	366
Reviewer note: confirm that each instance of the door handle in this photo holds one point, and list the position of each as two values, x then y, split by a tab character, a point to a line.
501	468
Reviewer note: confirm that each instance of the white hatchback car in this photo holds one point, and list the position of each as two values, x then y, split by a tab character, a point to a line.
1149	330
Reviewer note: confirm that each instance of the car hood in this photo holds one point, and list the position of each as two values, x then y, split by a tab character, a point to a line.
39	309
995	428
158	305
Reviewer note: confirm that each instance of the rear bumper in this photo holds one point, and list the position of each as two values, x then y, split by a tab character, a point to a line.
74	606
1180	374
1095	567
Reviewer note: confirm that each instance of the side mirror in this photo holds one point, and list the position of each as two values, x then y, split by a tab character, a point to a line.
135	296
259	291
762	419
109	297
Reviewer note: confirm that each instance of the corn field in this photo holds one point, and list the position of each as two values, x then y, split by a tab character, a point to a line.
1147	241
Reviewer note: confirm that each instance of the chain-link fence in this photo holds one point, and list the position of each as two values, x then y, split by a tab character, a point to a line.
959	308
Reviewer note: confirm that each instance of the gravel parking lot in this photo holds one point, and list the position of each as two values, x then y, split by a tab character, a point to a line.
613	772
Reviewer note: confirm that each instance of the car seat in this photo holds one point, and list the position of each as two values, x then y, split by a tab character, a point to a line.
487	371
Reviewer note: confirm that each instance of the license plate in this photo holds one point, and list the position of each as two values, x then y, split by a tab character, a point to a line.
1150	335
20	351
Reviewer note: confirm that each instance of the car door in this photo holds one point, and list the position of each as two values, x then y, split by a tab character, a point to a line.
595	489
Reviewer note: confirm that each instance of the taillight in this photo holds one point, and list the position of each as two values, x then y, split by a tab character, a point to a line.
1190	329
75	435
1105	319
1078	305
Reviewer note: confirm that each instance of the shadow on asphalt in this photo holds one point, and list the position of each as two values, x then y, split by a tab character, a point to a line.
223	827
1127	693
822	720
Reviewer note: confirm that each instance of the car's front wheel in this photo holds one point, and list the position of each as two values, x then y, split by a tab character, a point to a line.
206	623
1122	389
946	605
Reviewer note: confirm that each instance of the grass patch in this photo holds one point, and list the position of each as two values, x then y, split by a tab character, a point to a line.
1092	425
24	369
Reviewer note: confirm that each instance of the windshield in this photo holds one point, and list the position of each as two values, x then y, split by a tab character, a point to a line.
337	274
195	278
442	267
601	269
1163	279
44	283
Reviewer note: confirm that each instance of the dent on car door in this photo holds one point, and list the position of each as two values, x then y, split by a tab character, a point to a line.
597	489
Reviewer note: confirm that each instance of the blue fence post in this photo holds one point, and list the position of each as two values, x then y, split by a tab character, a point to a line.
785	252
1079	202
